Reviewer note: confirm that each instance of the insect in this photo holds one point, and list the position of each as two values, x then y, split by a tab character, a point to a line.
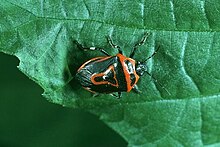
109	74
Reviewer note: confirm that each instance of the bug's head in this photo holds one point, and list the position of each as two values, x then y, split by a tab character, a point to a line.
140	68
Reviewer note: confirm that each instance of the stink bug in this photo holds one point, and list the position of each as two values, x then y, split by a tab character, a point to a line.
109	74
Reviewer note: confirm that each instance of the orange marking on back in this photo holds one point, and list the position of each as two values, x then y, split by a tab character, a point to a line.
126	72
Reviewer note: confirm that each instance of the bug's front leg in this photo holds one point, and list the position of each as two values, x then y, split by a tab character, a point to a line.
114	45
140	43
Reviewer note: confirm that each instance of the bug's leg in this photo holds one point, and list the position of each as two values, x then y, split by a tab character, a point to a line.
141	42
91	48
136	89
114	45
114	95
154	53
119	95
95	94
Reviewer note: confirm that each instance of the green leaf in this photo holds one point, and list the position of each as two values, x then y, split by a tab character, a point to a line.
41	35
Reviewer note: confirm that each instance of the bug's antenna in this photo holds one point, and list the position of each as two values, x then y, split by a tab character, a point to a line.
155	80
154	53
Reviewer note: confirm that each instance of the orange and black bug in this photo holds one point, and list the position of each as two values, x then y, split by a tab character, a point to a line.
109	74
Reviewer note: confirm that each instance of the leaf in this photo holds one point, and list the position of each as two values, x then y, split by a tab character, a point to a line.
41	35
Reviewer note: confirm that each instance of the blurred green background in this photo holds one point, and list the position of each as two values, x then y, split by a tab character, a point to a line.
29	120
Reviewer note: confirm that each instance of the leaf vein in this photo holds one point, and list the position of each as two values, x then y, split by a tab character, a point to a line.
183	66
